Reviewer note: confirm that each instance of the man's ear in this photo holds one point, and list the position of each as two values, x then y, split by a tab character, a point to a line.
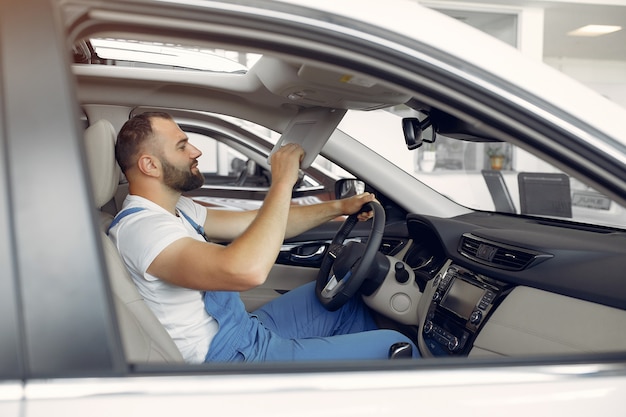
149	165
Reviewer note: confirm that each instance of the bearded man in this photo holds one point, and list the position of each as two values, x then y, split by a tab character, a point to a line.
192	285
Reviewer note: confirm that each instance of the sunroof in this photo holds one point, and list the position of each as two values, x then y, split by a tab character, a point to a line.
123	52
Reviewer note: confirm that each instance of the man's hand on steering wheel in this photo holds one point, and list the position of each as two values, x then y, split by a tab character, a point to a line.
359	204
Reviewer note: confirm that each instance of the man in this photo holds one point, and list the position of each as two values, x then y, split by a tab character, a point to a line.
192	284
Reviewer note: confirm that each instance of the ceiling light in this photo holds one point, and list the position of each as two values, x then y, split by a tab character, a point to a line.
594	30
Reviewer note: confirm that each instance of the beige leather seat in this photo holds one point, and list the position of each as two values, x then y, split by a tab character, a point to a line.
143	337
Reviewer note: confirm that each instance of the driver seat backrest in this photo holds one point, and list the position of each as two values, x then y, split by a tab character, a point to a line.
143	337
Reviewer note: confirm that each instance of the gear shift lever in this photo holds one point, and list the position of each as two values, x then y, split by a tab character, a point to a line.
400	350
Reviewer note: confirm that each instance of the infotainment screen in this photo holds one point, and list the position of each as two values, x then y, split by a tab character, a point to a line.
462	297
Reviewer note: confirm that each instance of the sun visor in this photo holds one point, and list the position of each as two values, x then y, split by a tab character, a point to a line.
310	129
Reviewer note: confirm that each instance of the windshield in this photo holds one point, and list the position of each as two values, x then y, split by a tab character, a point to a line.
495	177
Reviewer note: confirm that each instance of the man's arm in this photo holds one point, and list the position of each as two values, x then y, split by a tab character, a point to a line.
246	262
224	225
303	218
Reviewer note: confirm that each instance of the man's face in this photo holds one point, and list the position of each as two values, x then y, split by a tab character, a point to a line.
178	157
180	178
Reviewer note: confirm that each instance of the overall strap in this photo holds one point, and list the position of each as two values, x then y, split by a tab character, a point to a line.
195	225
123	214
132	210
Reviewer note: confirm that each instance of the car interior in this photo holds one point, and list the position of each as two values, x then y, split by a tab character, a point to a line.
460	282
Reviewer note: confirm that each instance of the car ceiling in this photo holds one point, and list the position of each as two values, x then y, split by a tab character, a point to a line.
270	92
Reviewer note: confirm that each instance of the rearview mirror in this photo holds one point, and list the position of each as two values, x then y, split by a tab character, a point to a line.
348	187
416	132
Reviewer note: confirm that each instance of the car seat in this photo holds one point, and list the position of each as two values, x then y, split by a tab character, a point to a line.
143	337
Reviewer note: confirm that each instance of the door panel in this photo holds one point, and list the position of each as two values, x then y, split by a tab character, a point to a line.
282	278
298	262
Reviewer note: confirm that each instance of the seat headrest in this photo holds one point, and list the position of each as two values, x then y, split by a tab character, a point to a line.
104	170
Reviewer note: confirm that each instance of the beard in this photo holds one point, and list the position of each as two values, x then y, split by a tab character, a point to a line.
179	179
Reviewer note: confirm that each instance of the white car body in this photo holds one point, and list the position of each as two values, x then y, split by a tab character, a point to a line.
574	385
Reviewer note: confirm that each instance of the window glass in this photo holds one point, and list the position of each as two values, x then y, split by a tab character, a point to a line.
217	158
222	164
136	53
219	162
486	176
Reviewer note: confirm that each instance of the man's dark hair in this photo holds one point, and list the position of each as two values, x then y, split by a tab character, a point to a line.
133	135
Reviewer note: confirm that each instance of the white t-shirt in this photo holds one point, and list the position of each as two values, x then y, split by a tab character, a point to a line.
139	238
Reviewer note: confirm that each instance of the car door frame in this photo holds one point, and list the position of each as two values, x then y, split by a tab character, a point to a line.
58	263
71	370
11	365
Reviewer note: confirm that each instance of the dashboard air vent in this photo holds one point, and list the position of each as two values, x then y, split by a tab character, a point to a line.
498	255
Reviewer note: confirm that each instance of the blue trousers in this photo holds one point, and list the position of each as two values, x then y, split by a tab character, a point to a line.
296	327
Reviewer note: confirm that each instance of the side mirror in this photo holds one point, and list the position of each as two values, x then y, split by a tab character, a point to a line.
416	132
348	187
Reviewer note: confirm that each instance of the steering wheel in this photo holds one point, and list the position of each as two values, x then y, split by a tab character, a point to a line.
345	267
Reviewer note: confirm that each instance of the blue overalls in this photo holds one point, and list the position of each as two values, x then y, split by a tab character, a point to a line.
295	327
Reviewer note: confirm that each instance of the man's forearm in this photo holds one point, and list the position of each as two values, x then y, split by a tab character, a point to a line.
303	218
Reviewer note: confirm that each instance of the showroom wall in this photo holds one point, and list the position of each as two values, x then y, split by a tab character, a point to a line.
527	24
606	77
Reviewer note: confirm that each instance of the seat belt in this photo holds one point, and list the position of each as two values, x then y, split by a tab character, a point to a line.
133	210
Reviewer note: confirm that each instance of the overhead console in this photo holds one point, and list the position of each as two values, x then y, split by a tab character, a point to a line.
308	85
461	302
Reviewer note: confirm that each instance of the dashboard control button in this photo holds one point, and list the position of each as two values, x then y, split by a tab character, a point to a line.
428	327
402	275
453	343
476	316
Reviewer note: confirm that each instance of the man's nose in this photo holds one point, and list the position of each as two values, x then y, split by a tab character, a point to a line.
195	152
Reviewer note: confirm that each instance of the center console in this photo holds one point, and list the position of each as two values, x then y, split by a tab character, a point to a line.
461	302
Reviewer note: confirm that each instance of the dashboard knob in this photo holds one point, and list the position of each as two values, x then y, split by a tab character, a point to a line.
428	327
402	275
476	317
453	343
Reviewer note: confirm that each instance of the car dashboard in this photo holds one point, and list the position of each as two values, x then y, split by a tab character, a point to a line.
486	284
